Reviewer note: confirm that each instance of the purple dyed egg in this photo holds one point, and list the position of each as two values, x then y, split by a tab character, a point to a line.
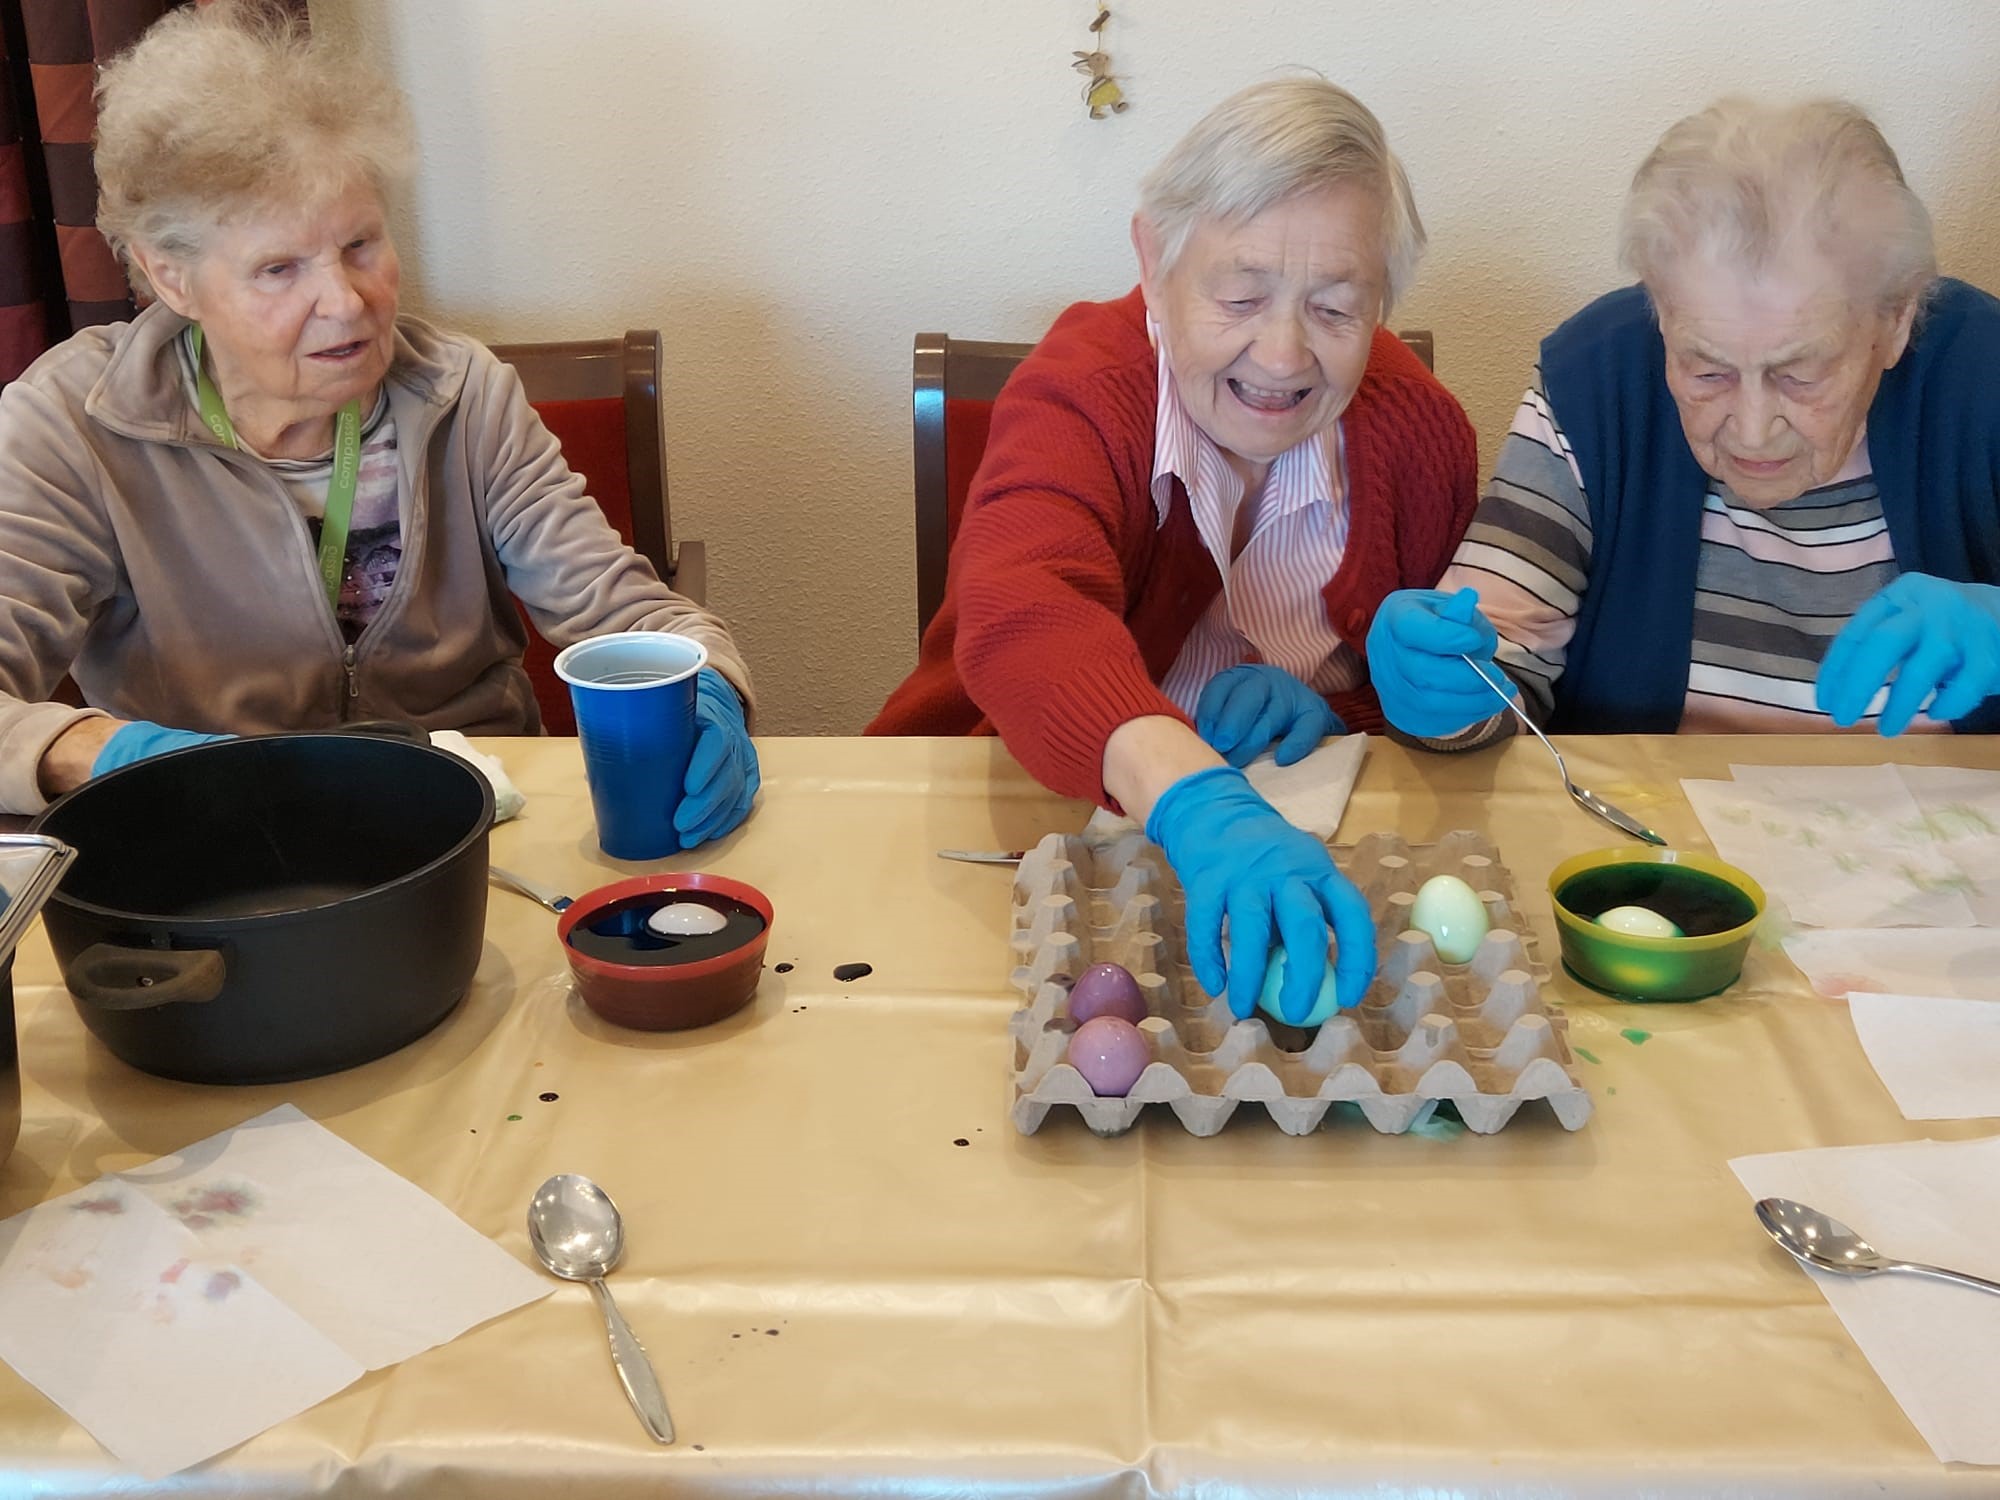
1110	1054
1106	990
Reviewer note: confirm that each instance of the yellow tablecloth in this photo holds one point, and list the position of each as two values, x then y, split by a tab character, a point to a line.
855	1278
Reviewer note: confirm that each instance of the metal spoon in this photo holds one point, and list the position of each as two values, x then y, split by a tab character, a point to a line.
575	1229
985	856
520	885
1825	1242
1588	800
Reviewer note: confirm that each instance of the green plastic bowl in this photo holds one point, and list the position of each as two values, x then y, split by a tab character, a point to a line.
1652	968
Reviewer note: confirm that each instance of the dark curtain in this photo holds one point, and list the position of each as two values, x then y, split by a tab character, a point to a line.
56	273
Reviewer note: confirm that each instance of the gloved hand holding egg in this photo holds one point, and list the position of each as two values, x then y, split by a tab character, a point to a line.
1238	859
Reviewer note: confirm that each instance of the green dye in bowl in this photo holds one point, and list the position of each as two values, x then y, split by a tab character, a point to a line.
1715	905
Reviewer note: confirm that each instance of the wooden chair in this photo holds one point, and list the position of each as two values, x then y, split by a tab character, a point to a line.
601	398
953	384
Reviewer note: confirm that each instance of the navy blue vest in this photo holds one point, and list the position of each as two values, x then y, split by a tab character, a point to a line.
1933	441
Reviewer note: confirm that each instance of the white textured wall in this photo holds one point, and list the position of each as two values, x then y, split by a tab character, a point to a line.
790	189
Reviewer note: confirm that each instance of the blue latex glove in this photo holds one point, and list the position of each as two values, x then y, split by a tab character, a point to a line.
1413	659
142	740
722	778
1931	637
1244	710
1237	857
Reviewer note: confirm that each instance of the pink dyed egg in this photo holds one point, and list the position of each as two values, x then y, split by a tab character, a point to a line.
1110	1054
1106	990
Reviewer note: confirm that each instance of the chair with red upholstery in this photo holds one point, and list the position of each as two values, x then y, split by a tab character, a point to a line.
601	398
953	384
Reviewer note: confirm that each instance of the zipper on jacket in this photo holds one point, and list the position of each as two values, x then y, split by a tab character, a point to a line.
353	678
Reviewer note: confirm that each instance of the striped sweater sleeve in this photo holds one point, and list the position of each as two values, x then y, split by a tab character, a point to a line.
1527	553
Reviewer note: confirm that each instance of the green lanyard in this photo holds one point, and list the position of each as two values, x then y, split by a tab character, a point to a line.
340	486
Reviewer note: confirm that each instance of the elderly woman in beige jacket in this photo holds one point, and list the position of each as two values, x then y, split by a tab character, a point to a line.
268	502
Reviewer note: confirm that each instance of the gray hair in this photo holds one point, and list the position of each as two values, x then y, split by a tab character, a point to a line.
1270	141
1740	180
230	109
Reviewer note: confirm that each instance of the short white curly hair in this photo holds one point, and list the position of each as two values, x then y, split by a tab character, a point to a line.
1273	140
231	109
1742	180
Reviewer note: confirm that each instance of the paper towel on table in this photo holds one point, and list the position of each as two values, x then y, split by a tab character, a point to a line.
1840	846
1961	961
1938	1056
180	1308
507	798
1935	1346
1311	793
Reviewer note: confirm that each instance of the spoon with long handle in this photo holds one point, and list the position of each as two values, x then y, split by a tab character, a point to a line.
520	885
576	1231
1816	1239
1588	800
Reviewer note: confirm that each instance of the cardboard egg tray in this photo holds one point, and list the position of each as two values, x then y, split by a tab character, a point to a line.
1479	1036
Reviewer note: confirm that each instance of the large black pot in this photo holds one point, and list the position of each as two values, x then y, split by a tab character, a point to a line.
260	910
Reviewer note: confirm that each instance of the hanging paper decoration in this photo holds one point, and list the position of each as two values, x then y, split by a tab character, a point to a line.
1101	91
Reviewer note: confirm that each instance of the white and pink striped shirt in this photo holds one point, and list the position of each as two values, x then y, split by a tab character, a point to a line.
1272	606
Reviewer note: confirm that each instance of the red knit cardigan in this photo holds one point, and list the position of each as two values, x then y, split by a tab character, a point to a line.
1067	600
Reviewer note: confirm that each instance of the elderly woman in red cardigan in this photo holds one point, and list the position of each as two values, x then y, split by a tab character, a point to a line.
1191	503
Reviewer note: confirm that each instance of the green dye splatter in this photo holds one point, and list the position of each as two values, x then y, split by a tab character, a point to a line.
1586	1054
1635	1036
1612	1090
513	1117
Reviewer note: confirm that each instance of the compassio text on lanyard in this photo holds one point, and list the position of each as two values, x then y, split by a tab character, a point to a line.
340	486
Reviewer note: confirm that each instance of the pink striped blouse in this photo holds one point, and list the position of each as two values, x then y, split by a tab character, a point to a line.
1271	608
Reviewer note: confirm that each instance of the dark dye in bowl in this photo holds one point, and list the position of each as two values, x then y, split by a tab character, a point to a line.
1693	900
619	934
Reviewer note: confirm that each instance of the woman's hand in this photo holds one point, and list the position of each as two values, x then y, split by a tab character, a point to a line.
1415	660
1246	710
722	778
90	747
1237	858
1927	640
71	758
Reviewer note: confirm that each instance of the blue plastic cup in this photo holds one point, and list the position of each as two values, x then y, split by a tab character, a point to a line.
634	699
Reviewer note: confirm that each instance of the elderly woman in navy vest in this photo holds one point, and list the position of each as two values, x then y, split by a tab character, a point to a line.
1758	491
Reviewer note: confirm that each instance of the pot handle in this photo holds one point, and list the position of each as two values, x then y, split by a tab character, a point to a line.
114	978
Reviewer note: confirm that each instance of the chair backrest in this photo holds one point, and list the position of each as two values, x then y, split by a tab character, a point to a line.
953	384
601	399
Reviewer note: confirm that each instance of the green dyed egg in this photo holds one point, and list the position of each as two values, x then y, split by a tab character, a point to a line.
1274	981
1450	914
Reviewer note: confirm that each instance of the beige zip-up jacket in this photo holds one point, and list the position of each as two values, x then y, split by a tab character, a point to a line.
175	579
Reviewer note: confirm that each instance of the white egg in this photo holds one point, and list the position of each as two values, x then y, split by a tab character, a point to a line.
1638	921
686	919
1450	913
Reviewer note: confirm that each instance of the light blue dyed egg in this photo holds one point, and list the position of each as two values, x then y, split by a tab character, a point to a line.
1449	913
1274	982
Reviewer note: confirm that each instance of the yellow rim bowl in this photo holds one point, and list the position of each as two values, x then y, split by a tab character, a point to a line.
1652	968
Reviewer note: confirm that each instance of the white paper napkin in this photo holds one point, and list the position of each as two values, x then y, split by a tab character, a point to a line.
1939	1056
1936	1347
507	798
1311	793
1839	961
180	1308
1840	846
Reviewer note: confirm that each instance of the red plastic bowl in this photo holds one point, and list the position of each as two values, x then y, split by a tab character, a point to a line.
667	997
